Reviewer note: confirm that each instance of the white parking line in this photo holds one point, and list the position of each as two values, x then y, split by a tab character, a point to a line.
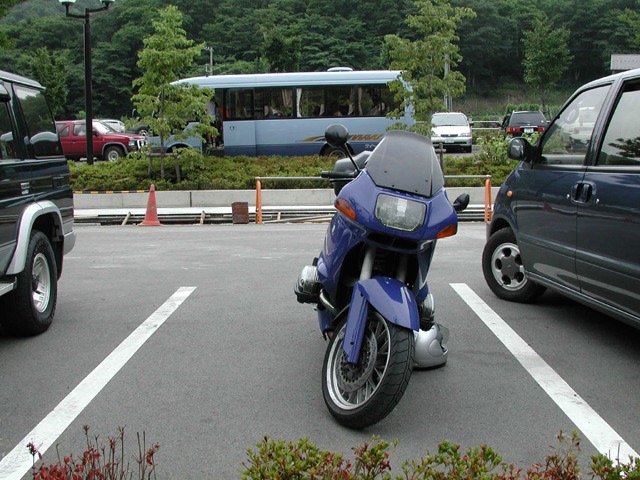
597	431
18	462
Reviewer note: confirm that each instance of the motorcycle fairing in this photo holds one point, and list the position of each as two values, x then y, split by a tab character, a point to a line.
421	288
341	237
391	298
343	234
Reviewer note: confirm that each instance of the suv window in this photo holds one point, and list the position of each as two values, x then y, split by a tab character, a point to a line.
39	123
527	118
568	138
79	129
621	145
7	149
64	131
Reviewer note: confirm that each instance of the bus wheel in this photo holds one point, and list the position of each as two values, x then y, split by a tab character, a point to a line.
336	152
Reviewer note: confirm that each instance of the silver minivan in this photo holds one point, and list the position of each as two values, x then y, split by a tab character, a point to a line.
451	129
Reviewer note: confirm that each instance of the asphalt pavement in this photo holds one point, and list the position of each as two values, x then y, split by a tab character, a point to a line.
192	335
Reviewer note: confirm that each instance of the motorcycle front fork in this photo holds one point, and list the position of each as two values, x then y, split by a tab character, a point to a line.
430	348
328	312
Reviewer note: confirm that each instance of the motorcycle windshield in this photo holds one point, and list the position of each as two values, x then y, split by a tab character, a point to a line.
407	162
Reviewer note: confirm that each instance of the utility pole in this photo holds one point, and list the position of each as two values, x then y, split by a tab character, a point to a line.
447	98
209	68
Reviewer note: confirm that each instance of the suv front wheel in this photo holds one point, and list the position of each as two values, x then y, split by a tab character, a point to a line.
113	153
503	269
30	308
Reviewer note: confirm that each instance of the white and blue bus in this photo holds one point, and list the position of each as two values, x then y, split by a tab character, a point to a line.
287	113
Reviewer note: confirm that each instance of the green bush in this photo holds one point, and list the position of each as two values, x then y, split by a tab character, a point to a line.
276	459
198	172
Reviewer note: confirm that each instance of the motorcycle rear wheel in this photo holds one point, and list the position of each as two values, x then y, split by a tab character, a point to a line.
361	395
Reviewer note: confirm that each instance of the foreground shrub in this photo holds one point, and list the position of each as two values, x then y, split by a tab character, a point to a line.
276	459
98	461
280	460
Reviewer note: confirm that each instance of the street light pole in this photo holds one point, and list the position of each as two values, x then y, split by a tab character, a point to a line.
88	89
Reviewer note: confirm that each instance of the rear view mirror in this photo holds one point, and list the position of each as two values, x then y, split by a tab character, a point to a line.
336	135
461	202
518	149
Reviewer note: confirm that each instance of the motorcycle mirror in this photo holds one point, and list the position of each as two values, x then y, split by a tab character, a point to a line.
461	202
336	135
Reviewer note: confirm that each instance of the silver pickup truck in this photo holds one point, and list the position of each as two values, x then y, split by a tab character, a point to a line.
36	207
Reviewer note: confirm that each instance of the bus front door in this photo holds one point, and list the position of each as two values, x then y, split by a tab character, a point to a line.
239	137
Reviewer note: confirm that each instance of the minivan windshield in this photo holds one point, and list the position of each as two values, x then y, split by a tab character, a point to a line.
407	162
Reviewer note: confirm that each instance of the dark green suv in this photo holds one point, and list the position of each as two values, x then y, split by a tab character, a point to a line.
36	207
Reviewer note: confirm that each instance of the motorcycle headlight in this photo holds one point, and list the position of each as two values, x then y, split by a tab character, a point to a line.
400	213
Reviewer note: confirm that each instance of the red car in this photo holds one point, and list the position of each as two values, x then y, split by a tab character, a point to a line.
107	143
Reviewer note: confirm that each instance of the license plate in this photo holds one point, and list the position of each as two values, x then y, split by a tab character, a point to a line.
528	130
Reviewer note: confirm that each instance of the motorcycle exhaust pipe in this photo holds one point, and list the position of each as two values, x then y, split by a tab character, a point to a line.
326	303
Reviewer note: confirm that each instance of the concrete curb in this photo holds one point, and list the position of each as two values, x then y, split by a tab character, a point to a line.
215	206
208	199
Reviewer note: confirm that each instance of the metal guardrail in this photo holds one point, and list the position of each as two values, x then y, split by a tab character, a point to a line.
488	212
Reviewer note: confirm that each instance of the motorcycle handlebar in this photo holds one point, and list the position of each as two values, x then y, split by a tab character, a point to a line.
338	175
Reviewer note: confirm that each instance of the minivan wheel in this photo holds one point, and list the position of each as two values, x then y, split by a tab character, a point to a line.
503	269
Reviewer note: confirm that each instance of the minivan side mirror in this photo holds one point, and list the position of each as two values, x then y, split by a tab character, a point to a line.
519	149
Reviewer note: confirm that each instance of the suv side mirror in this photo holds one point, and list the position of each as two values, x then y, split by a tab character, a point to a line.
519	149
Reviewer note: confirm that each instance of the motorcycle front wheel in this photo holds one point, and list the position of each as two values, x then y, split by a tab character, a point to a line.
362	394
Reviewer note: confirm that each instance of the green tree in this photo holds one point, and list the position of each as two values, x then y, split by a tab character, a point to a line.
427	63
546	57
51	71
632	19
166	106
282	53
4	8
118	35
485	42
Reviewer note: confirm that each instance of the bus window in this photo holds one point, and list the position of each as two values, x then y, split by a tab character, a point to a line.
311	102
277	102
240	104
375	101
340	101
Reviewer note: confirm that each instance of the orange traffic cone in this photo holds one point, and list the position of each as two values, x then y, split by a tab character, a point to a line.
151	215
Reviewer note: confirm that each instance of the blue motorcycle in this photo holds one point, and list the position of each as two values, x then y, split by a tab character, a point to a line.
369	283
